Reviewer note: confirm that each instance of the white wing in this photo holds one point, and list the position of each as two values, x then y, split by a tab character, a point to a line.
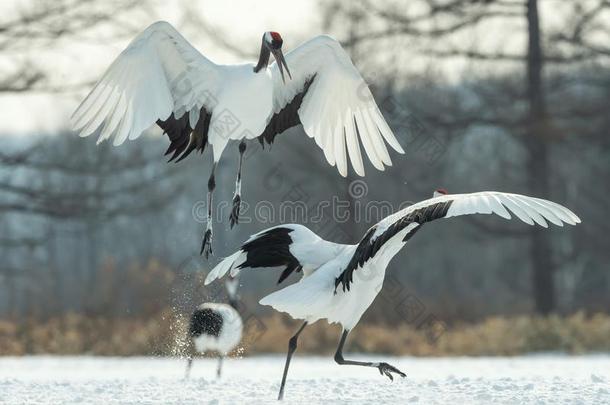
157	74
338	109
528	209
406	222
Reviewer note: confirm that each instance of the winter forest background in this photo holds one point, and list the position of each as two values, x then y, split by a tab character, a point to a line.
508	95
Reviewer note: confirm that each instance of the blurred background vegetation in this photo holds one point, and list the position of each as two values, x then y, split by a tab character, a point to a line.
99	245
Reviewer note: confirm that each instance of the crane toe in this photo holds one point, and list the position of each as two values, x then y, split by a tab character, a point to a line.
387	370
206	243
234	217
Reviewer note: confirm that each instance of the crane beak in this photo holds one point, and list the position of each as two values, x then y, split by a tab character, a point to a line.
281	63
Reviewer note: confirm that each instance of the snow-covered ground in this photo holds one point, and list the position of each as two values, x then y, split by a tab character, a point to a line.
528	379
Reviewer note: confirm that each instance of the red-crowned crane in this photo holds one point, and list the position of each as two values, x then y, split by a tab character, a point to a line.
161	78
340	282
216	327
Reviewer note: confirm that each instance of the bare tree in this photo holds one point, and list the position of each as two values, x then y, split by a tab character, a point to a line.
48	179
442	28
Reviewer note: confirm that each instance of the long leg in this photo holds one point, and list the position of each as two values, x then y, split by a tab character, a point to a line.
292	346
234	217
206	244
219	369
189	364
384	368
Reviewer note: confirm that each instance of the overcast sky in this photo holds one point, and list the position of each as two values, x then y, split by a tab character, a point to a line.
242	23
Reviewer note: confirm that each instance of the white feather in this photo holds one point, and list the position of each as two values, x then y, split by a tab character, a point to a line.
140	80
353	147
338	90
314	297
230	332
223	267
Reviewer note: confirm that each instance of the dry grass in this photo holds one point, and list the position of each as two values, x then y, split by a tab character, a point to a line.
77	334
165	335
494	336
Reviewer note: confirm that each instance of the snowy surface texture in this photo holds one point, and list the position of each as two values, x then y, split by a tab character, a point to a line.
530	379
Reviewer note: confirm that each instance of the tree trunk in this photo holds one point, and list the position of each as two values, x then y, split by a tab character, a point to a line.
538	164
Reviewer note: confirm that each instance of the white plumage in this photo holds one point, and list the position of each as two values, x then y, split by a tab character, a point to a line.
339	109
161	78
229	335
160	73
342	281
216	327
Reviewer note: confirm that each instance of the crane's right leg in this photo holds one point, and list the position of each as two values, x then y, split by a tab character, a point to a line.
234	217
384	368
219	368
206	244
189	364
292	346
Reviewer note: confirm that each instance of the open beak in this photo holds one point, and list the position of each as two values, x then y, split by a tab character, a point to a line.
281	63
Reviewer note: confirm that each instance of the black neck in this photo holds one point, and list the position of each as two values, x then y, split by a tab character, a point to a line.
263	59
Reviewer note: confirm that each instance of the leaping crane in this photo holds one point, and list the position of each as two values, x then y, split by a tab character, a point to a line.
161	78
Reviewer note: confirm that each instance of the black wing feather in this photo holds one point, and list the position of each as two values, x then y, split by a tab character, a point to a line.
287	117
184	139
271	249
367	249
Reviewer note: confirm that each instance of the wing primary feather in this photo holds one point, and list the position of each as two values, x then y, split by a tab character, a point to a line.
545	211
376	138
341	159
516	209
353	147
529	209
366	142
387	133
497	207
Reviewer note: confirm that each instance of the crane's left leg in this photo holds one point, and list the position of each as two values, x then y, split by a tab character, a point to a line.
206	244
189	365
234	217
384	368
219	369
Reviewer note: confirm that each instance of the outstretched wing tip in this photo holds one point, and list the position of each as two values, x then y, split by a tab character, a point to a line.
575	218
211	277
81	134
117	141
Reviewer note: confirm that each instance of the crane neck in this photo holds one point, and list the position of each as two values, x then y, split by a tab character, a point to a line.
263	59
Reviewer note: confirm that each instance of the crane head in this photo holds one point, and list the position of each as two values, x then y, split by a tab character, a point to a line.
439	192
273	41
